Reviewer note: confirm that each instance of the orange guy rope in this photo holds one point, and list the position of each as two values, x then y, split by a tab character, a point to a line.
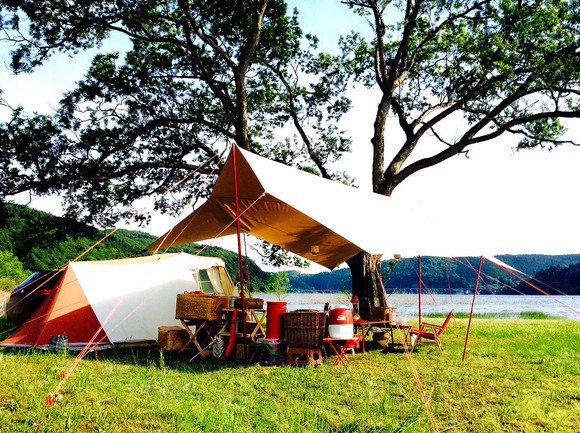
419	290
541	291
216	236
523	280
64	375
67	372
472	305
416	376
172	187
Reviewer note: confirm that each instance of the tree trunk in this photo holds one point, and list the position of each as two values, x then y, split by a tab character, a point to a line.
366	285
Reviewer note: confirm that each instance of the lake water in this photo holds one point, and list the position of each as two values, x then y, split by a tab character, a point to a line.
406	304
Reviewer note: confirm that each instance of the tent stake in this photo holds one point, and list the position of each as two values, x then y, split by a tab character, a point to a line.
472	305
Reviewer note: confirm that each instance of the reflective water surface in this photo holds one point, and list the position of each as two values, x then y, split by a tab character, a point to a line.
406	304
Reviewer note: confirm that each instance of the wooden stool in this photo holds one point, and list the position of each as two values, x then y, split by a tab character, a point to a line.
304	356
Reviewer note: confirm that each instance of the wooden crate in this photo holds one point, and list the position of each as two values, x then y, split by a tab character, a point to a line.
171	338
383	314
251	303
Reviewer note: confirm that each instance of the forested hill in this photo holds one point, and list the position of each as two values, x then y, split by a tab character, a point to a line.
559	273
33	240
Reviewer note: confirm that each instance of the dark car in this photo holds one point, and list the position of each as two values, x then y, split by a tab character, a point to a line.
28	295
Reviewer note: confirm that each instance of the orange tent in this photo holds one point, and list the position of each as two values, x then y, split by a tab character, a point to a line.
120	301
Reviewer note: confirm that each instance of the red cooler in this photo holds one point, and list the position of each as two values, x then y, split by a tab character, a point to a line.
273	319
340	323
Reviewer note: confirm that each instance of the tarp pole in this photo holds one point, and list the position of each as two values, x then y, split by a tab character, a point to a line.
420	283
472	306
247	267
240	260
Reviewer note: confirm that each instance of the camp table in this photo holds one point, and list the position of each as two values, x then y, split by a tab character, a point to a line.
201	333
254	326
366	326
340	345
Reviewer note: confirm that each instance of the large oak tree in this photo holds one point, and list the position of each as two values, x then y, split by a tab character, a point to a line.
200	74
454	75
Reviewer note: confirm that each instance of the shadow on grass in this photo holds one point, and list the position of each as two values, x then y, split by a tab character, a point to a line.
189	361
148	356
522	315
141	356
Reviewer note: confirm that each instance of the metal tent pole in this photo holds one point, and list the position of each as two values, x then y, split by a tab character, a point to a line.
240	260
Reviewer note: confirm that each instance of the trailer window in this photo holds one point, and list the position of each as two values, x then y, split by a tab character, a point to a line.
204	282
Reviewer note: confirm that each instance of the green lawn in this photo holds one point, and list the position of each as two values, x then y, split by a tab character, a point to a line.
519	376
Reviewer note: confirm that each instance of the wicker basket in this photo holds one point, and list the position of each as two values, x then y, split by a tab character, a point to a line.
200	307
304	328
171	337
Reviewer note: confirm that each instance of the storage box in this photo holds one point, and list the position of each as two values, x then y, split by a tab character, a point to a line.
251	303
383	314
171	338
200	307
270	351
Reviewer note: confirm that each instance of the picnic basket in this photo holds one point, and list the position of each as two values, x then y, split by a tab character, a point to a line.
171	338
200	306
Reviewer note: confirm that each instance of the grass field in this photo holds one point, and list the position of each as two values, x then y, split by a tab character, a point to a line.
519	376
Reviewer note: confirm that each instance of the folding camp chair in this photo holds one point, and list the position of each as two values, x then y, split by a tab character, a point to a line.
433	332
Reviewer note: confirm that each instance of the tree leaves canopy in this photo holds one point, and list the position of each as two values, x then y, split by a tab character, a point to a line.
199	75
464	73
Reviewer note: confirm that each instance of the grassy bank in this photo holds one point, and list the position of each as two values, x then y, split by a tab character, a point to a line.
519	375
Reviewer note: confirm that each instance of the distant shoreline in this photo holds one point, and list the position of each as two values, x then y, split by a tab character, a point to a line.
440	304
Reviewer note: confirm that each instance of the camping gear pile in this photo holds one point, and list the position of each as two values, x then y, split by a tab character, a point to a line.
294	337
128	301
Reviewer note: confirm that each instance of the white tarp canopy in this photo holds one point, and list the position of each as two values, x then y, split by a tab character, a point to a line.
321	220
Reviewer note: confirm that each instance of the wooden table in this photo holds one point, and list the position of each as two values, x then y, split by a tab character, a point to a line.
257	322
340	345
255	317
201	333
366	326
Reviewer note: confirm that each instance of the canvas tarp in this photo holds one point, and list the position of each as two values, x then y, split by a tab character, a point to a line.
118	301
298	211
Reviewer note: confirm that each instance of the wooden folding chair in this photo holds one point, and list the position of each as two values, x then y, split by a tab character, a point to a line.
430	331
